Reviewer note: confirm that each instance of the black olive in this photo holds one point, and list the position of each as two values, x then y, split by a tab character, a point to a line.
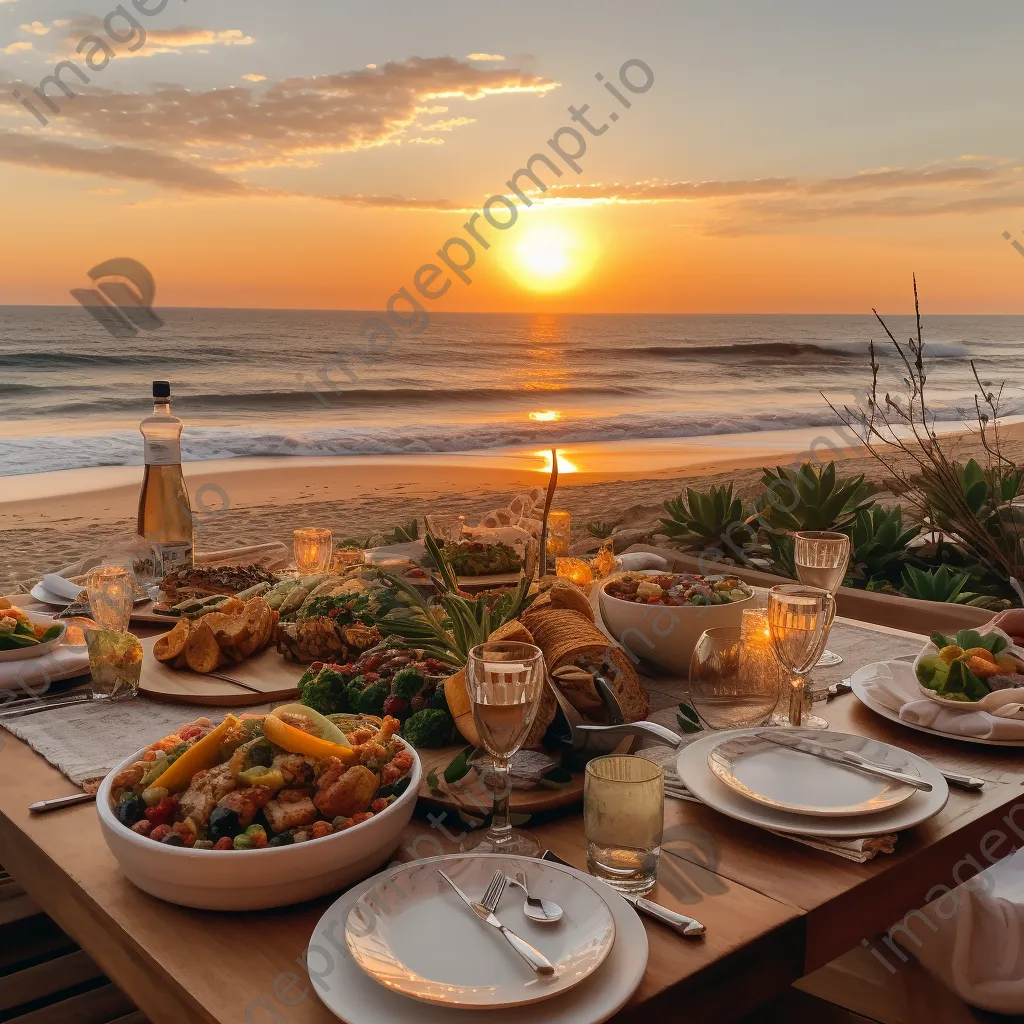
284	839
130	810
223	824
172	839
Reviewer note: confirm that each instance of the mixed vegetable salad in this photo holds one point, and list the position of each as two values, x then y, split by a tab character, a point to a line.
18	630
678	589
263	780
968	666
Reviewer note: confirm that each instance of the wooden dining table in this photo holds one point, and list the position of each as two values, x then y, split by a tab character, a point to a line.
774	909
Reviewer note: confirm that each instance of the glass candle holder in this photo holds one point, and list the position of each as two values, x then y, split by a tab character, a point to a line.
623	817
111	590
313	550
575	570
345	558
115	662
559	530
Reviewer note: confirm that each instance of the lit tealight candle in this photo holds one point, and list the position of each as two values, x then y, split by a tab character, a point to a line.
758	653
559	529
575	570
313	549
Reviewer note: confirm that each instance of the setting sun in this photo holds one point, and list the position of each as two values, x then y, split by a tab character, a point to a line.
564	465
547	416
549	258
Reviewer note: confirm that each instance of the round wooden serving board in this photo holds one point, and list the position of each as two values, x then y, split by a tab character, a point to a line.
477	800
268	672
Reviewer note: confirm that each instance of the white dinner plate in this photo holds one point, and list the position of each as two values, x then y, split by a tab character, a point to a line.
44	596
412	933
801	783
692	766
860	692
356	998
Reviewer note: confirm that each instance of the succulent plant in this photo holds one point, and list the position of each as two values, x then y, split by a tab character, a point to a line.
600	529
704	517
811	499
941	584
879	542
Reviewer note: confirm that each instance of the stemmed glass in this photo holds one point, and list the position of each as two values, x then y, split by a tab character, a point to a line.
504	680
821	560
799	619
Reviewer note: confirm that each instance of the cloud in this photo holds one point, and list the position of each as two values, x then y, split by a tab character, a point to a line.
106	191
291	120
255	78
739	207
16	48
158	40
35	28
485	56
447	126
119	162
196	142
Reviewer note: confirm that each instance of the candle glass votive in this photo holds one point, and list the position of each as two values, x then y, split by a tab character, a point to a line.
111	590
623	818
724	691
559	532
313	549
576	570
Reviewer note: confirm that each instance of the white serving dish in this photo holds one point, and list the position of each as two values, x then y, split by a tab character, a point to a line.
356	998
37	650
255	879
666	635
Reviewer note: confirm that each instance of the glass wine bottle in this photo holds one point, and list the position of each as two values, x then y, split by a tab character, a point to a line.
165	515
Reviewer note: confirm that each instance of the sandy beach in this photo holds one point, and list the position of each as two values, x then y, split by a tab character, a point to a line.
50	520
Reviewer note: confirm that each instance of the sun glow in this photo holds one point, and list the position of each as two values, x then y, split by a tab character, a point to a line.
549	258
547	416
564	465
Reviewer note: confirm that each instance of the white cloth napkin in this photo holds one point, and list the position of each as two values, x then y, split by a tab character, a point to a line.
894	684
59	586
30	676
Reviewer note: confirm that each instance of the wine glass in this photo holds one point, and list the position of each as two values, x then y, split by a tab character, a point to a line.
821	560
729	689
504	680
799	619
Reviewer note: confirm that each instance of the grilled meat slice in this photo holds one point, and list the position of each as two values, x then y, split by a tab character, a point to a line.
204	580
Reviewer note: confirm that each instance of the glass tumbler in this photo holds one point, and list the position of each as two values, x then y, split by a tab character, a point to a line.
623	818
111	590
730	688
115	661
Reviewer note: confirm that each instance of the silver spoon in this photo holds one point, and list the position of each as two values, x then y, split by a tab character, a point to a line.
536	909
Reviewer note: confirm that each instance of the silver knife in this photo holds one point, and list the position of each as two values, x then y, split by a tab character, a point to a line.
534	957
32	707
953	778
45	806
845	758
687	926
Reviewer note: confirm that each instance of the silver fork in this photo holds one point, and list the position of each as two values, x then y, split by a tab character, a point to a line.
492	894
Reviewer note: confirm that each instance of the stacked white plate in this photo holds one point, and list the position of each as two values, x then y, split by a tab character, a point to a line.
758	776
403	946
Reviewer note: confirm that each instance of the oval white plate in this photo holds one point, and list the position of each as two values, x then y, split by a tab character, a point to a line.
354	997
37	650
692	766
413	934
857	686
801	783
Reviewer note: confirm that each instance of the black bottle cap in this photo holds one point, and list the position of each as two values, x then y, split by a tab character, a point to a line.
161	389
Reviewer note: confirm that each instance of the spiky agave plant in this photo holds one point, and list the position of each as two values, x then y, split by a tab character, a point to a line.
704	517
463	621
811	499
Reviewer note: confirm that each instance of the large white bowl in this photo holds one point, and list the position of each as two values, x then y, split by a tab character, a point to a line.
255	879
37	650
666	635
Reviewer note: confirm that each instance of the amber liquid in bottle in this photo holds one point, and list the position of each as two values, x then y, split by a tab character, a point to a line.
165	514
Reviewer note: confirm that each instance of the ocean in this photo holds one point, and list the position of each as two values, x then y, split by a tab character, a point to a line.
287	382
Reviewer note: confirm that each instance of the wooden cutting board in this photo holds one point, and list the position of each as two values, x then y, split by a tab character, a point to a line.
274	677
477	800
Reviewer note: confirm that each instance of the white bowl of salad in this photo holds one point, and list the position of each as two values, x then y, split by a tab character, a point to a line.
659	616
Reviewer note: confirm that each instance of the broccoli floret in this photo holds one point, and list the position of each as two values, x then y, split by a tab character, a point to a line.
353	689
307	677
325	693
438	700
407	683
371	700
432	727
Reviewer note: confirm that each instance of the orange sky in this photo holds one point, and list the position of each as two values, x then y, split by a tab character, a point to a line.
244	171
